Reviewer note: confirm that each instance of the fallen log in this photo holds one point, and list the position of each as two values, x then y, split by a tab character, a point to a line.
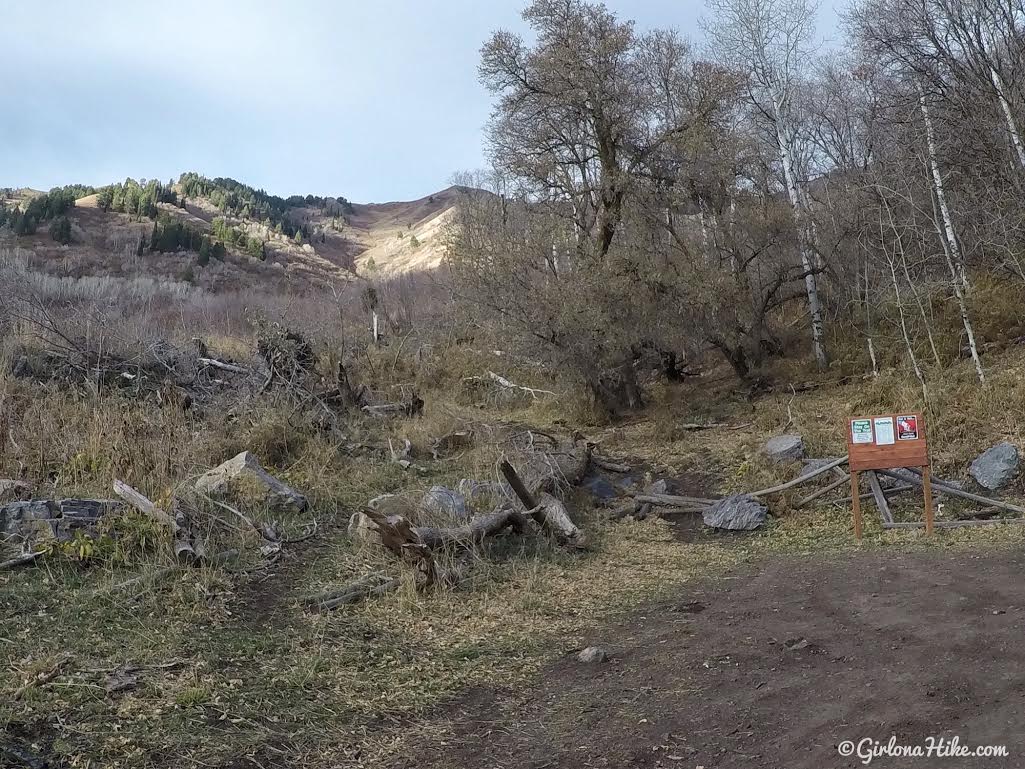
370	586
548	511
187	547
953	492
800	479
21	560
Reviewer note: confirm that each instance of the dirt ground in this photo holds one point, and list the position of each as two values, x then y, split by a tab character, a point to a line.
773	668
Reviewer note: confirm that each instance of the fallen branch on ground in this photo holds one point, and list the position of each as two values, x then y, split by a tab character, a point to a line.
953	492
230	367
21	560
548	511
370	586
800	479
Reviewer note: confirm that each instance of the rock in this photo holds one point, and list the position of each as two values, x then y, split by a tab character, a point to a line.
443	501
996	466
661	486
243	477
737	513
362	529
44	519
593	654
785	448
474	490
393	504
600	488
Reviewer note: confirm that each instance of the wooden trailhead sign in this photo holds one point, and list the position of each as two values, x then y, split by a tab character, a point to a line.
884	442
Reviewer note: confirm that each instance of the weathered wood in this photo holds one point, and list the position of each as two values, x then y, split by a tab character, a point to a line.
822	492
21	560
880	498
606	464
548	511
366	587
951	524
230	367
951	491
800	479
888	492
187	547
143	504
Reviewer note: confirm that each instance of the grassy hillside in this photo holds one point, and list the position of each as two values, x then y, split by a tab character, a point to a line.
266	239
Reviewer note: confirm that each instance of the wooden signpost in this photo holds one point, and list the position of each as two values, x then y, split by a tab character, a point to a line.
885	442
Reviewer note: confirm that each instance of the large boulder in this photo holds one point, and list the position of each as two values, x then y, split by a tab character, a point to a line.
737	513
784	449
244	478
995	467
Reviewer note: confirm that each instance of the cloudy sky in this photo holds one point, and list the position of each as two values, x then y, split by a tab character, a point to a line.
374	100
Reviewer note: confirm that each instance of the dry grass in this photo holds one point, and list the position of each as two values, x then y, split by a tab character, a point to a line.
257	677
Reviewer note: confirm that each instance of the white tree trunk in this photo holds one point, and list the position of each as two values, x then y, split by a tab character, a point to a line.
807	262
953	249
1012	126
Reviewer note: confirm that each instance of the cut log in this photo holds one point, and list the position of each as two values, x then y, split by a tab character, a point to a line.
800	479
142	503
952	492
880	498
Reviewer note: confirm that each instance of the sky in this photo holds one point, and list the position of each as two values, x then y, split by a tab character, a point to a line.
372	100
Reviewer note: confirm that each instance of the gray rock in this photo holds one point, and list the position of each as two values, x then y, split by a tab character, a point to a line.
593	654
475	490
661	486
47	519
785	448
242	476
601	488
362	529
737	513
996	466
443	501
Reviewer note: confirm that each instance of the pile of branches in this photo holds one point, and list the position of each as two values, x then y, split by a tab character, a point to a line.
536	472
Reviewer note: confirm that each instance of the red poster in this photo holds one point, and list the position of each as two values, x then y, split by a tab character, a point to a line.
907	428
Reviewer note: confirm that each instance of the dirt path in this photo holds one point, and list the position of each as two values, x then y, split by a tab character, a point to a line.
774	669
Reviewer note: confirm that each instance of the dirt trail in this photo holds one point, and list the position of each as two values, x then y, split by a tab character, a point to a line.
774	668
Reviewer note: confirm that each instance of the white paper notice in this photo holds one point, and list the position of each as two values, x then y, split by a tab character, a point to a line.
884	431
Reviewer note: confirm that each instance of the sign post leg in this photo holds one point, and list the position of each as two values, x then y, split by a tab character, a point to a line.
927	491
856	501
